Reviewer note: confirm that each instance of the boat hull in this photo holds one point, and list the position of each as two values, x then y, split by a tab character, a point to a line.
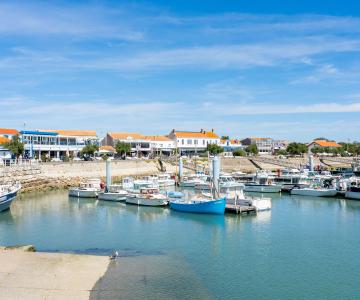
83	193
287	187
352	195
6	200
146	201
314	192
203	207
259	188
166	183
117	197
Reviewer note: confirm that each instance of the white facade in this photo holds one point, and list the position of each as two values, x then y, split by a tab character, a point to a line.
55	144
193	141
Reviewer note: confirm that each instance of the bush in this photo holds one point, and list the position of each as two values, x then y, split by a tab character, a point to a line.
239	153
252	149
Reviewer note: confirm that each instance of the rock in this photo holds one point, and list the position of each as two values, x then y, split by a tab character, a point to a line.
24	248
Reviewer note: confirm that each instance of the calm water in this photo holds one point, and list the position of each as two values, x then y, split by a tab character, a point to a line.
305	248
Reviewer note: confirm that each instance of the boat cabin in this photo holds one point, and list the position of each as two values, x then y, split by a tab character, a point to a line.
149	191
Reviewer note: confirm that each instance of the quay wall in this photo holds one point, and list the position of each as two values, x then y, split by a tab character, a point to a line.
63	175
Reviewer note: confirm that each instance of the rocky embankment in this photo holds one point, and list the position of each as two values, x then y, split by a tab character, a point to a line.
49	176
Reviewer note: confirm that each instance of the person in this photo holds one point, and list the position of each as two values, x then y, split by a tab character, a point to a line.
102	185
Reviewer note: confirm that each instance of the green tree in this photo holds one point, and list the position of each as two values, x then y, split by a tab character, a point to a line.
122	148
281	152
252	149
317	150
89	150
15	146
239	153
214	149
225	137
296	148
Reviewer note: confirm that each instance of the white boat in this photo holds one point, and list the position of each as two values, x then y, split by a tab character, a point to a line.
114	193
131	185
263	183
353	189
165	180
225	182
193	180
88	189
7	195
288	179
321	186
147	197
314	192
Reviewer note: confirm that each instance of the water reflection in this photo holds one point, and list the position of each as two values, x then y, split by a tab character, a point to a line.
6	217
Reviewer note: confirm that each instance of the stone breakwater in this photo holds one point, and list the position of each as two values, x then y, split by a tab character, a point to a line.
63	175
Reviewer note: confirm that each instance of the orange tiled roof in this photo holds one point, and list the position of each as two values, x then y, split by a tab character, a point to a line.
107	148
195	134
3	140
125	135
160	138
323	143
73	132
8	131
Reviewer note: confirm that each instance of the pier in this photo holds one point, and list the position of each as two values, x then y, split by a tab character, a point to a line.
239	209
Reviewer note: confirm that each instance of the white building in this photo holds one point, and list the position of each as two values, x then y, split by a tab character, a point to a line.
265	145
141	145
56	143
188	142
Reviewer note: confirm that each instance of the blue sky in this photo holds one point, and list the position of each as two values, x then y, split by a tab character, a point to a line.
284	69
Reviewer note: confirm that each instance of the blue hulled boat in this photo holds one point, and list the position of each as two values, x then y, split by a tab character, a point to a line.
200	206
7	195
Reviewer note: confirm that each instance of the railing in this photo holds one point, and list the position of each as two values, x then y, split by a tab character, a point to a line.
18	162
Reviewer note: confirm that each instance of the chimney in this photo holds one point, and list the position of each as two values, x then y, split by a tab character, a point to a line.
201	130
173	130
212	130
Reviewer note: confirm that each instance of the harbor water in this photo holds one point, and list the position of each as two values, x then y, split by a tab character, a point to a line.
304	248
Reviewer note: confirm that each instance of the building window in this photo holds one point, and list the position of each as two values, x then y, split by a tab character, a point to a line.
203	142
189	142
195	142
182	142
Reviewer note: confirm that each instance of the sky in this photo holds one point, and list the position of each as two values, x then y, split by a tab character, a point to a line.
282	69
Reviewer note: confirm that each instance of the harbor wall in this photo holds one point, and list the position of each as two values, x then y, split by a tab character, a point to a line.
63	175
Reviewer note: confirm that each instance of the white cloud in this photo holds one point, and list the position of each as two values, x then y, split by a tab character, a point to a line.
43	19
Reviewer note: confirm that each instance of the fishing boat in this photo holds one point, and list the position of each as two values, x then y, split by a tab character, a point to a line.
113	193
147	197
200	206
319	187
263	183
88	189
353	189
289	178
7	195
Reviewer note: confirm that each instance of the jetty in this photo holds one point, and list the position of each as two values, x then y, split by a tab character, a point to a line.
239	209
